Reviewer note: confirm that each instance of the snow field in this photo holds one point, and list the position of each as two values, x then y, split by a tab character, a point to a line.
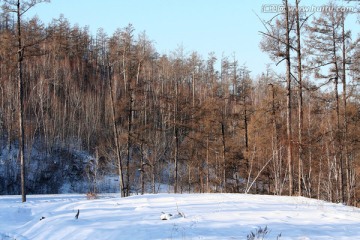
207	216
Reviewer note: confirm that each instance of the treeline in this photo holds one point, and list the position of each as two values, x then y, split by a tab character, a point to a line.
178	119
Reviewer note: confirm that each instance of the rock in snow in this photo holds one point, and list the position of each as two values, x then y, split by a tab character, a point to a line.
166	216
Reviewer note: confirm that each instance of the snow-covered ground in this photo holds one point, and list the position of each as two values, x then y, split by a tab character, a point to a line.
207	216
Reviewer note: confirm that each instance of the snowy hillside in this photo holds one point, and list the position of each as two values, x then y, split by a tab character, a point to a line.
207	216
61	171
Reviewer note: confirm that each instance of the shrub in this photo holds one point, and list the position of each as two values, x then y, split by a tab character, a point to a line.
260	234
91	195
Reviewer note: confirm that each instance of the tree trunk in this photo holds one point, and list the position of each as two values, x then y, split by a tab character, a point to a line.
300	100
21	105
345	127
128	147
116	139
142	171
288	112
310	152
246	126
176	137
223	156
338	127
207	165
176	153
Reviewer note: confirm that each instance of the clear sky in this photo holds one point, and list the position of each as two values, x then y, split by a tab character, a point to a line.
226	27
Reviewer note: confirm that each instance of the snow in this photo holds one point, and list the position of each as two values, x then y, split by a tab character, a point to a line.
200	216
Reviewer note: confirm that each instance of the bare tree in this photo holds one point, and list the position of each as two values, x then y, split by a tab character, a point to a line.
300	98
116	135
20	8
279	47
326	38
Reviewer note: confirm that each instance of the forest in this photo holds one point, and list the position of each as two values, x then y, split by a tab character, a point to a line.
197	124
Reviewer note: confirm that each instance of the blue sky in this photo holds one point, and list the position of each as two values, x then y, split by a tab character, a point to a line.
226	27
